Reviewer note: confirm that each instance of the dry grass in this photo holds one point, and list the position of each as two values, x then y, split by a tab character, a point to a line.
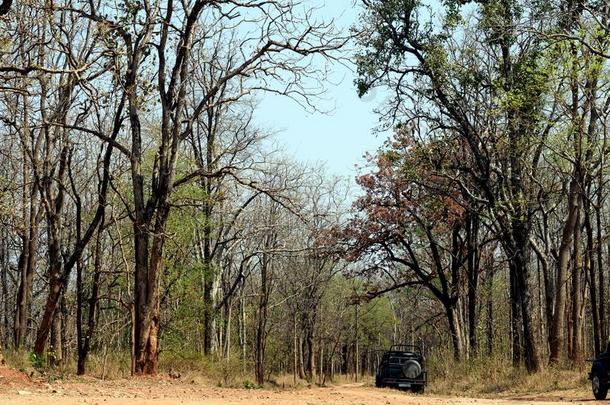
483	377
288	381
19	360
196	368
493	377
105	366
117	365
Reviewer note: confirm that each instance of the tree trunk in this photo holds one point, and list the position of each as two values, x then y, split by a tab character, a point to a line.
209	264
600	253
490	312
26	266
600	269
209	284
242	325
147	301
301	359
32	215
558	326
357	343
577	301
227	337
146	290
308	325
6	338
515	318
56	341
55	281
321	375
473	279
311	367
590	268
261	325
295	349
517	249
209	320
455	329
84	342
533	360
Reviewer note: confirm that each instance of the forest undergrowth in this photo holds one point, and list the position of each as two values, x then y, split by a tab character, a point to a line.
483	376
490	376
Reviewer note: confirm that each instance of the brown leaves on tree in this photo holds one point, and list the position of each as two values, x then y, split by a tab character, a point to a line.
403	195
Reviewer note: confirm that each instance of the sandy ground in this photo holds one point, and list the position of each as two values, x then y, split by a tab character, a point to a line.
17	388
161	391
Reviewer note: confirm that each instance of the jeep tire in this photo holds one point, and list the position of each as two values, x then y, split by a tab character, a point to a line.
600	390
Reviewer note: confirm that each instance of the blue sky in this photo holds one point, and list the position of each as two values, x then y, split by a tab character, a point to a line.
338	139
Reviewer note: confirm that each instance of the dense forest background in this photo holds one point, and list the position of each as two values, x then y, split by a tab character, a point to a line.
146	218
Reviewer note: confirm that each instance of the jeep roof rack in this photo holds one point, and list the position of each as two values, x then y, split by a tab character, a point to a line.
405	348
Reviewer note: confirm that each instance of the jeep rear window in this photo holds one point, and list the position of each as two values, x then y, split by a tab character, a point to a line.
393	372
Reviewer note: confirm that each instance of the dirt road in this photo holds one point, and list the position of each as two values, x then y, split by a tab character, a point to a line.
166	391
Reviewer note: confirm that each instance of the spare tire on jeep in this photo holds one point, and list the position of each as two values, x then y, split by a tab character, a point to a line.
411	369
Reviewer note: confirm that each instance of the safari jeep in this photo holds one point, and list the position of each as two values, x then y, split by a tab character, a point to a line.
402	367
